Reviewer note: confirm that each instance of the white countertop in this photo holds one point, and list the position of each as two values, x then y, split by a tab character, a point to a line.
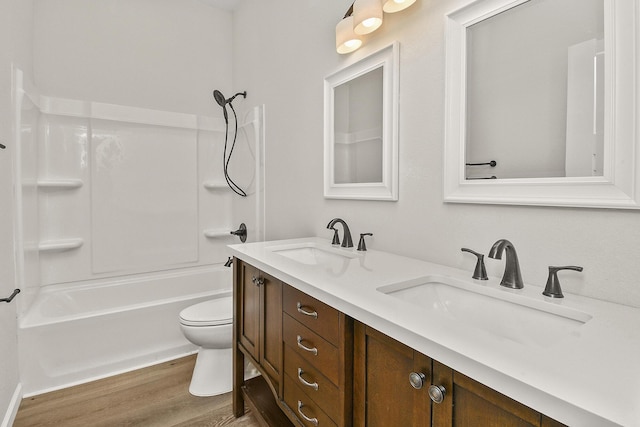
591	378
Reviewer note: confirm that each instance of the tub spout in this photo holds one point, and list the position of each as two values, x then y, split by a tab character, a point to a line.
229	262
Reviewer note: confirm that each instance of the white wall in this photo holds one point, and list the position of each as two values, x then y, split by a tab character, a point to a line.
162	54
15	41
284	68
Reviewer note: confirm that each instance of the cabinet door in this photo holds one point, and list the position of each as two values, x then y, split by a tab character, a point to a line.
249	308
271	327
383	395
468	403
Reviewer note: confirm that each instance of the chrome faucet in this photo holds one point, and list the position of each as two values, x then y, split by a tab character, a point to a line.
512	277
346	238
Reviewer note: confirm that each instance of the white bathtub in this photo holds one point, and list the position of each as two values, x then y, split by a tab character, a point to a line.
74	333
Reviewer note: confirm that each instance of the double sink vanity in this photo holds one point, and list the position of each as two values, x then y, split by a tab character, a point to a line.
364	338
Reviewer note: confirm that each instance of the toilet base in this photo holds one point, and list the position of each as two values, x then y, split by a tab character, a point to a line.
213	373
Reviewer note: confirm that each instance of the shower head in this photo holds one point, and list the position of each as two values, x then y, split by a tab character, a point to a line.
222	101
219	97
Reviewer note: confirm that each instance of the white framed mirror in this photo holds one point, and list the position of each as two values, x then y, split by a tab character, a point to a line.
361	129
541	103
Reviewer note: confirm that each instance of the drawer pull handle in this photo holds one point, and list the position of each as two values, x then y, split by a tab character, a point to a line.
301	310
313	421
305	382
305	348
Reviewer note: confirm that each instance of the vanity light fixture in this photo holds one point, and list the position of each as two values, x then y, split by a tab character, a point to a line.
367	16
392	6
364	17
346	40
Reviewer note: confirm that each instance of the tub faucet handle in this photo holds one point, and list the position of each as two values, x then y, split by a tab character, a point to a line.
241	232
480	272
553	289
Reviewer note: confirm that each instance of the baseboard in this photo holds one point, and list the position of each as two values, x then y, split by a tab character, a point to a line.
12	410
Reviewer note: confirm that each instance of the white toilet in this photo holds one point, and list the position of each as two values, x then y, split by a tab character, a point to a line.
209	325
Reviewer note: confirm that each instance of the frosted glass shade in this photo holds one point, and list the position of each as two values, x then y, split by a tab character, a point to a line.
367	16
391	6
346	40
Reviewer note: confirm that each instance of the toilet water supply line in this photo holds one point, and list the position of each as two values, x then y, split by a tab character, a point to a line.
222	101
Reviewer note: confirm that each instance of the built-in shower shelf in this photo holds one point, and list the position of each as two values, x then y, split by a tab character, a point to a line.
60	244
215	185
60	184
217	233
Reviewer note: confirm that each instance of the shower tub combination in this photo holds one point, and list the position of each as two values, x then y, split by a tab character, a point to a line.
81	332
111	247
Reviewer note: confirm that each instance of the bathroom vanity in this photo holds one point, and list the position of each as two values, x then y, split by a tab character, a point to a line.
348	338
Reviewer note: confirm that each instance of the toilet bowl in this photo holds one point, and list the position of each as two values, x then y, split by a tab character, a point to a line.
209	325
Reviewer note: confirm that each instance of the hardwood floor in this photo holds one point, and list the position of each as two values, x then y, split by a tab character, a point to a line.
157	396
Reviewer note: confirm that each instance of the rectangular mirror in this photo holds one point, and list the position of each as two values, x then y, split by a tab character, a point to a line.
541	103
360	135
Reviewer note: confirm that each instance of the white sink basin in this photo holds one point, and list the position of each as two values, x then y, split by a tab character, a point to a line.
502	313
313	254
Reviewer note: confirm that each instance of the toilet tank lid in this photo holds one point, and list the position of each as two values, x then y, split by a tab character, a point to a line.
213	312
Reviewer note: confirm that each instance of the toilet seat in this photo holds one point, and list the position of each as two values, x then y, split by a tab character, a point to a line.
214	312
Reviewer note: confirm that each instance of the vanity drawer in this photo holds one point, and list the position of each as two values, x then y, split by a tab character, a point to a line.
316	315
318	387
305	409
312	347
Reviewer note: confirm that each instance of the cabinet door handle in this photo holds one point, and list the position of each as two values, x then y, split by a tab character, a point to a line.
305	348
417	379
301	310
257	280
313	421
436	393
305	382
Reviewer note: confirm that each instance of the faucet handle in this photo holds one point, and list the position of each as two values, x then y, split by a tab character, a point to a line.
480	272
553	289
361	244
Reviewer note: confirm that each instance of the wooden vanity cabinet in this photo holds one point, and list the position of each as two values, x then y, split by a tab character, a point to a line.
321	368
384	396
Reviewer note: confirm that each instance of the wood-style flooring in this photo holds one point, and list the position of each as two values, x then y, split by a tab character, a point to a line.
156	396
